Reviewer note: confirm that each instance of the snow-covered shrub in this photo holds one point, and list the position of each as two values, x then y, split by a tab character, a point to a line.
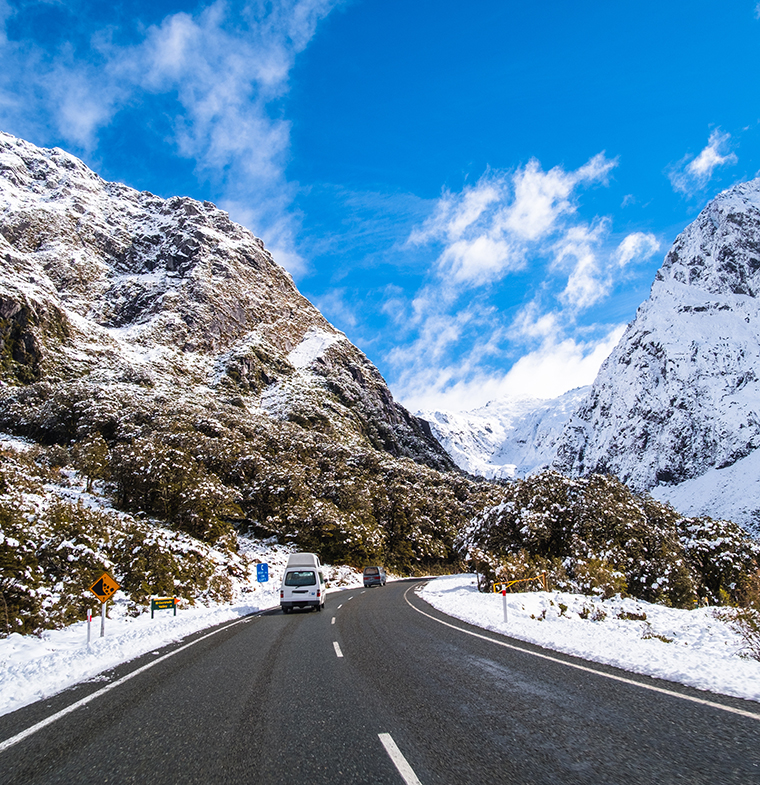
20	573
608	540
91	458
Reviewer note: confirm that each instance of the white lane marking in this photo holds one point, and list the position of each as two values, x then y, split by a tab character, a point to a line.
399	761
338	652
587	669
340	606
332	621
82	702
351	597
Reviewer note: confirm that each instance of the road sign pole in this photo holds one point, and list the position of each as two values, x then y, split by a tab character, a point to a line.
89	624
103	619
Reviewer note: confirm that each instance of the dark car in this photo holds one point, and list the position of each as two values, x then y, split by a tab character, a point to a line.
374	576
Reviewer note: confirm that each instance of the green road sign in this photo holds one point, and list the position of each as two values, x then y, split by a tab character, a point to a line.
163	604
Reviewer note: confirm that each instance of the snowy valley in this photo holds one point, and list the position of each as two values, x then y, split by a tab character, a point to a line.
174	411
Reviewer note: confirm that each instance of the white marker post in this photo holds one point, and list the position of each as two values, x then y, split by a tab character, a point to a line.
89	624
506	613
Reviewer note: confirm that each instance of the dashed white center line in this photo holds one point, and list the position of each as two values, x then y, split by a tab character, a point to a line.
338	652
399	761
340	606
332	621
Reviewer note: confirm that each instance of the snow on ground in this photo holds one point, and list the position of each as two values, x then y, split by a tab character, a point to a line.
690	647
33	668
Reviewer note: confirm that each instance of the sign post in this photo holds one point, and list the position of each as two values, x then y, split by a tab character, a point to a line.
89	624
104	588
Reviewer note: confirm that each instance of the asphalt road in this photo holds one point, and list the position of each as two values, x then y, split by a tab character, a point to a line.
268	700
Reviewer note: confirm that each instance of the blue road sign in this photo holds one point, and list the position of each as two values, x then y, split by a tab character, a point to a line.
262	573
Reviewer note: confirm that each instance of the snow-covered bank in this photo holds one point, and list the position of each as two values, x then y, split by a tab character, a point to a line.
690	647
36	667
33	668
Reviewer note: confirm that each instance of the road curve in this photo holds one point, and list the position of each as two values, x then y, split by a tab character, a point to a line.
331	697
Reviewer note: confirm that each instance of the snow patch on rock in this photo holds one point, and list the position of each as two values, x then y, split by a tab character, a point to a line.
313	345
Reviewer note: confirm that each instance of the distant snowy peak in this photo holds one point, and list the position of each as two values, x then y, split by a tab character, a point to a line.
719	253
505	438
680	394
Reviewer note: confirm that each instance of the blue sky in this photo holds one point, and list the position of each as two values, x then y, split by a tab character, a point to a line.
479	194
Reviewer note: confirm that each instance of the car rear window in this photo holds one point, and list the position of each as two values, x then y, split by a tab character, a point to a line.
371	571
300	578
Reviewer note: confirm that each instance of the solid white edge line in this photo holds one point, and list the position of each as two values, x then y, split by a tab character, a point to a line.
588	669
4	745
336	646
399	761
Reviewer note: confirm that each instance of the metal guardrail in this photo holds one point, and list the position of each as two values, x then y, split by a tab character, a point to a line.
499	587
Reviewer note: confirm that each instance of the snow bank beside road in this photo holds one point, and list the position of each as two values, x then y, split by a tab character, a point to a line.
33	668
690	647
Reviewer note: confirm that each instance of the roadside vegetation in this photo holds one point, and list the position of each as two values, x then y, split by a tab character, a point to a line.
157	492
595	536
173	487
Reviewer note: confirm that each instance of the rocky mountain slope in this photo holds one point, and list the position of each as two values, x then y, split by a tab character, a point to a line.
100	282
506	438
680	395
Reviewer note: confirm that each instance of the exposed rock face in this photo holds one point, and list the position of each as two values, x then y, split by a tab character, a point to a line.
109	286
680	394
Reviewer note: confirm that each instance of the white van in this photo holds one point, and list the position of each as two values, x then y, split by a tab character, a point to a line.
303	584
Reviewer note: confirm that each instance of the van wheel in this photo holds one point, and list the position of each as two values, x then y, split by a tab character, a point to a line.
286	610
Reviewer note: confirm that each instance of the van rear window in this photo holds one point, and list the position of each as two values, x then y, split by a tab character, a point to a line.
300	578
371	571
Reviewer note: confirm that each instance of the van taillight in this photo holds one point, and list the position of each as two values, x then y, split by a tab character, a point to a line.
282	593
319	593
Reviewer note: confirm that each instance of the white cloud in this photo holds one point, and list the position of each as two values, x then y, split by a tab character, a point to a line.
556	368
547	372
691	176
637	245
216	72
541	198
487	229
588	281
505	224
479	260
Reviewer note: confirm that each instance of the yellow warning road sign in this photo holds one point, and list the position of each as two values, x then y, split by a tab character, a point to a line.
104	587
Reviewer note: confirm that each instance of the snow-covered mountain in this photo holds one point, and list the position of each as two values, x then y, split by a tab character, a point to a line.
120	288
505	438
678	400
675	409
